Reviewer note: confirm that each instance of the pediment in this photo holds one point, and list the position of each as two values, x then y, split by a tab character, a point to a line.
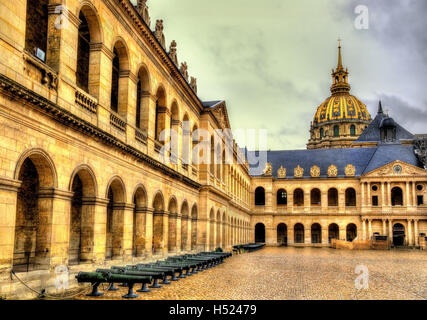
395	169
221	115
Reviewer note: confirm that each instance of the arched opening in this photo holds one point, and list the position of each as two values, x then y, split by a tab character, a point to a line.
37	28
353	130
260	196
316	233
212	163
161	111
282	197
172	228
139	222
194	216
175	123
333	232
282	234
81	230
350	197
298	198
333	197
186	141
33	215
351	232
83	54
322	133
212	230
142	100
398	235
315	197
185	225
260	233
299	233
396	197
116	198
224	234
194	150
119	80
336	131
158	221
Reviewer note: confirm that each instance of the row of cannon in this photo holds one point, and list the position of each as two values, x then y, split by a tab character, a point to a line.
149	274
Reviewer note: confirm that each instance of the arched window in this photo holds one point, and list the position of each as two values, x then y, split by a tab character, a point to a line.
115	82
282	234
333	232
351	232
83	54
333	197
161	108
352	130
298	198
336	131
350	197
299	233
260	196
322	133
315	197
316	233
396	197
37	28
282	197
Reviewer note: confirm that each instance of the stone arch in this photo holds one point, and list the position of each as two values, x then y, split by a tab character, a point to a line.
260	233
333	232
282	197
218	228
172	226
139	199
83	185
44	165
333	197
350	197
120	82
282	234
158	244
212	229
161	112
298	197
316	233
396	196
33	221
116	195
143	96
89	33
399	234
315	197
351	232
185	226
260	196
299	233
86	173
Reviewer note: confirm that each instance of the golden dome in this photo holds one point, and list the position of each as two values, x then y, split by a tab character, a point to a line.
341	107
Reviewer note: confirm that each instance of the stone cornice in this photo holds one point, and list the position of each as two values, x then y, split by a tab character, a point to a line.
16	91
9	184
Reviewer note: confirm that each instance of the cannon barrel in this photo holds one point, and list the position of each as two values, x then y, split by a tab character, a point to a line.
95	278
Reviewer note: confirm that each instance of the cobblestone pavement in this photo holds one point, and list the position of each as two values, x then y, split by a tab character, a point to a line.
301	273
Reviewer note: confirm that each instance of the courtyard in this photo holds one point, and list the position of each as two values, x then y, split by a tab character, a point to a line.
281	273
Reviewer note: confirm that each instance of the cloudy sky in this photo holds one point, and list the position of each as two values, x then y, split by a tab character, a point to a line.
271	60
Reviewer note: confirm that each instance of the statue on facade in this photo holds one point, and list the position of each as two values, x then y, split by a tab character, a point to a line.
173	52
268	171
142	9
184	70
158	33
193	84
421	149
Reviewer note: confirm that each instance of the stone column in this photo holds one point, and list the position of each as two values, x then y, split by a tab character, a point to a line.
369	229
363	195
128	226
369	194
342	232
54	227
165	233
140	232
149	227
384	227
390	230
410	243
8	196
383	202
408	196
363	229
202	234
416	234
325	232
307	234
414	196
189	232
307	201
388	194
291	236
179	221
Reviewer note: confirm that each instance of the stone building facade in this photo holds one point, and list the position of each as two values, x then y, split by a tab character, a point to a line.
86	90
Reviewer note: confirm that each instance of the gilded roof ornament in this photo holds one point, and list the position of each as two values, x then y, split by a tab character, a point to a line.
315	171
298	172
281	173
268	170
332	171
350	170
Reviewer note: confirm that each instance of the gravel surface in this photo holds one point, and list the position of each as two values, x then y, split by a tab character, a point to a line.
298	274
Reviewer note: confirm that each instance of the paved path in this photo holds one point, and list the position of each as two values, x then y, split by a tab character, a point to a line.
302	273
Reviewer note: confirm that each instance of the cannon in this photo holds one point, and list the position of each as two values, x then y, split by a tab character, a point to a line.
93	278
157	275
117	277
171	271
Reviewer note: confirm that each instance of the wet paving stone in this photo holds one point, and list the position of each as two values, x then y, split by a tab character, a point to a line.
301	273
